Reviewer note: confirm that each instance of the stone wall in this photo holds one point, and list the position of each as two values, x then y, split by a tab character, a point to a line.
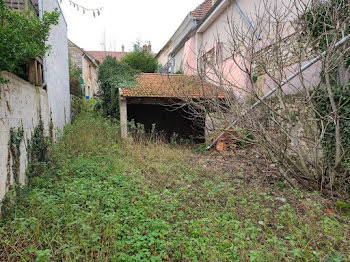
75	54
20	107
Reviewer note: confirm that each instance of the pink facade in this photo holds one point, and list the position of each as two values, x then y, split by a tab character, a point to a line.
212	37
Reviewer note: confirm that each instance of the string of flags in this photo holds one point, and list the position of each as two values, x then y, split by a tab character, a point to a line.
95	11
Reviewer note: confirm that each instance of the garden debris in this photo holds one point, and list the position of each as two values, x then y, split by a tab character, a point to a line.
228	140
281	199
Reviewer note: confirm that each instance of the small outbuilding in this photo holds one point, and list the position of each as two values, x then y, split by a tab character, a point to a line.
161	100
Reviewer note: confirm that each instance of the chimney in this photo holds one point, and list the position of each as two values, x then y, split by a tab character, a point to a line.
123	50
149	48
145	48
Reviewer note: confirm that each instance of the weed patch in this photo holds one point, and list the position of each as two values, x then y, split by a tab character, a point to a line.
104	200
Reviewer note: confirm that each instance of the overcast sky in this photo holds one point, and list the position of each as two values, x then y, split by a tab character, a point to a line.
125	21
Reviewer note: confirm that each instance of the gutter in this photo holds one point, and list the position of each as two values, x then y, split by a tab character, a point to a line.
183	41
210	17
195	28
212	14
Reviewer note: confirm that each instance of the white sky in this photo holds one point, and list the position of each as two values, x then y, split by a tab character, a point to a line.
125	21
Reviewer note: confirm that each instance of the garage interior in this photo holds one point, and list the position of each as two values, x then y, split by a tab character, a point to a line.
168	121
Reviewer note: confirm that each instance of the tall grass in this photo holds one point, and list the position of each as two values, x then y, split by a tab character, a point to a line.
106	200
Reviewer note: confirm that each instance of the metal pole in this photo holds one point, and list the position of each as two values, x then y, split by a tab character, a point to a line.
246	20
303	68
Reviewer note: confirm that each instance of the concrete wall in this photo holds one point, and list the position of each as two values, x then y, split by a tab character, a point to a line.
20	106
56	70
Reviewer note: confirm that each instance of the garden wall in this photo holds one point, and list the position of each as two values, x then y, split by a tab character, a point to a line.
21	105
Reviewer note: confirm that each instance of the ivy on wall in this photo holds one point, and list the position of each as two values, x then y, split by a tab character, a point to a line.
16	138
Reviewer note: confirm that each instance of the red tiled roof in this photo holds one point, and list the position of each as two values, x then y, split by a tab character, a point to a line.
202	9
101	55
172	86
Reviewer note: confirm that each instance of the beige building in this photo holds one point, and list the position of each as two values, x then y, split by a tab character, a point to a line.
89	66
166	57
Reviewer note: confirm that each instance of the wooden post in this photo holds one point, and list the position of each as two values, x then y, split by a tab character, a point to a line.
32	77
123	118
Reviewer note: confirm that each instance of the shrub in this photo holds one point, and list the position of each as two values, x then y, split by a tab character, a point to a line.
112	76
22	38
342	97
141	60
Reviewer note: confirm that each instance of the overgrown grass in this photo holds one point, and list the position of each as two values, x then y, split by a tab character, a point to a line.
103	200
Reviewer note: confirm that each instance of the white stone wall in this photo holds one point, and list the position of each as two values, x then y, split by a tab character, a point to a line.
20	106
56	69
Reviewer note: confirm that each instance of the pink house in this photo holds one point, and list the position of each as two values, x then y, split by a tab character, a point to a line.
214	40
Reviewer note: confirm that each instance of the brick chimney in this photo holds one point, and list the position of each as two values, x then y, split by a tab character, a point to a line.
149	48
144	48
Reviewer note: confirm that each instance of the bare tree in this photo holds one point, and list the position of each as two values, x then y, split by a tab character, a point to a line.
291	127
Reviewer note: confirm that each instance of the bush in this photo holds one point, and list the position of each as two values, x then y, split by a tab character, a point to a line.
341	97
112	76
141	60
22	38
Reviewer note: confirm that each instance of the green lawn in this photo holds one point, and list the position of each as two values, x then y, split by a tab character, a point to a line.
103	200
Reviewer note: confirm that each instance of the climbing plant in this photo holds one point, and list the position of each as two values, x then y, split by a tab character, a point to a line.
22	38
327	22
37	150
112	76
16	138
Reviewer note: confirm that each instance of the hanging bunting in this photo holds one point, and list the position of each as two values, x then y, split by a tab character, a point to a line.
79	7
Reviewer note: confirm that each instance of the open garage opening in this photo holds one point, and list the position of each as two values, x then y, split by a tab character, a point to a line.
168	121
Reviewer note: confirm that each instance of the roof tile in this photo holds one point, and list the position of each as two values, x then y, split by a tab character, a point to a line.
202	9
100	56
172	86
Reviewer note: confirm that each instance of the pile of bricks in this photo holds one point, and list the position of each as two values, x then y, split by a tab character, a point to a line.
228	140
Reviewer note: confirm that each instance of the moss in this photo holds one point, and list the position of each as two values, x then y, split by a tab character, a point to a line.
343	207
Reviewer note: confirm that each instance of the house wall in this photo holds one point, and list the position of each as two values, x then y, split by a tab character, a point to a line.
20	106
56	71
75	54
179	60
90	76
209	34
187	24
164	55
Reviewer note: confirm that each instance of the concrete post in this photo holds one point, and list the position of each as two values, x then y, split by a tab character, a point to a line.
123	118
